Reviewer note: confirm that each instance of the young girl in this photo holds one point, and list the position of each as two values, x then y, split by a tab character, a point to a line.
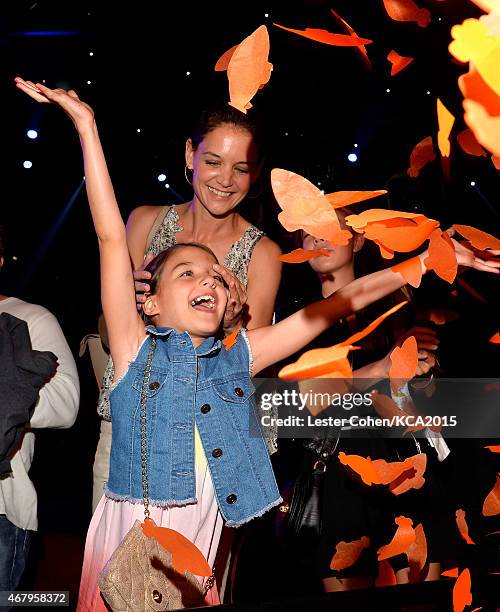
204	467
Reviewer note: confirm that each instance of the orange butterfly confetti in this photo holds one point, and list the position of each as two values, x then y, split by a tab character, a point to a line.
473	87
462	595
401	476
495	339
445	122
378	215
305	207
224	59
494	449
421	155
485	127
386	575
463	528
442	258
495	159
363	466
451	573
398	62
417	552
185	555
373	325
338	199
386	407
469	144
248	68
347	553
230	340
479	239
402	540
301	255
361	48
328	38
491	505
410	270
401	235
406	10
404	361
326	362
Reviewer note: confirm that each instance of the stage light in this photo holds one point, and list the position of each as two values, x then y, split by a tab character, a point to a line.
355	145
352	157
388	90
322	191
473	183
319	183
188	73
91	53
266	15
138	130
89	82
428	93
14	258
32	134
27	164
162	177
167	186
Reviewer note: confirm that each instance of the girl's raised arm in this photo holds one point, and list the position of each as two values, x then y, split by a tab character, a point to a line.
276	342
125	327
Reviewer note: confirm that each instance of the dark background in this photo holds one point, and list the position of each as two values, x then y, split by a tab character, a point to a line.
320	101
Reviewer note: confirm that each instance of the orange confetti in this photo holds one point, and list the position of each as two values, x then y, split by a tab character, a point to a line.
404	237
328	38
494	449
451	573
230	340
462	595
185	555
224	59
479	240
329	362
398	62
463	528
442	258
248	69
445	122
417	552
402	540
361	48
410	270
401	476
486	128
495	339
347	553
406	10
386	575
378	215
473	87
301	255
491	505
495	160
338	199
469	144
362	466
305	207
404	361
373	325
421	155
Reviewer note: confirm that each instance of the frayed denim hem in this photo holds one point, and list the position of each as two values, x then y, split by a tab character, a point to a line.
162	503
230	523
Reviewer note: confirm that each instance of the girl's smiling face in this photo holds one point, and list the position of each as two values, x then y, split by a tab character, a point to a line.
225	164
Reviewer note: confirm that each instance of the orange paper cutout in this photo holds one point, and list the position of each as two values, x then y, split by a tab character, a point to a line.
362	466
495	339
305	207
230	340
401	476
462	595
185	555
398	62
404	361
473	87
463	528
402	540
373	325
328	38
301	255
338	199
491	505
421	155
224	59
407	10
404	237
445	122
248	69
469	144
378	215
417	552
486	128
386	575
479	239
329	362
494	449
442	258
451	573
410	270
347	553
361	48
495	159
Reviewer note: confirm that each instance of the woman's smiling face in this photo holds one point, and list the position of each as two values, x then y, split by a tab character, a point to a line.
225	165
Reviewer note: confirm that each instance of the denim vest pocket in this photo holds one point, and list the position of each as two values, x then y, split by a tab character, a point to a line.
238	391
157	379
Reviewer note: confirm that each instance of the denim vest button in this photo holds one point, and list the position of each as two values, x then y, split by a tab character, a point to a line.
216	453
154	385
231	498
205	408
239	392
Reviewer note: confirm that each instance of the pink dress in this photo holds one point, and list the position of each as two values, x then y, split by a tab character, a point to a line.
201	523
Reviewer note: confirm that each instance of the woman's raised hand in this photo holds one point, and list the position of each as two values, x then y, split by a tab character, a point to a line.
79	112
236	304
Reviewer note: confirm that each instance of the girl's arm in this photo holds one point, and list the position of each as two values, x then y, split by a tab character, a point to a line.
276	342
125	327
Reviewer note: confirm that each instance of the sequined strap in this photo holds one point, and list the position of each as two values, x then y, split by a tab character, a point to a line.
239	255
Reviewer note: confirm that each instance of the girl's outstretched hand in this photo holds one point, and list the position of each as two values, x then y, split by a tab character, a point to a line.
469	258
79	112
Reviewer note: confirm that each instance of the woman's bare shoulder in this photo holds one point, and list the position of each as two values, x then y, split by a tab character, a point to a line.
144	215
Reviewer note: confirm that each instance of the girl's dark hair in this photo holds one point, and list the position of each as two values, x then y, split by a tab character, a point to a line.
224	114
155	266
2	241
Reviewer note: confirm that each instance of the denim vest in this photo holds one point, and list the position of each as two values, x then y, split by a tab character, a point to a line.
209	386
